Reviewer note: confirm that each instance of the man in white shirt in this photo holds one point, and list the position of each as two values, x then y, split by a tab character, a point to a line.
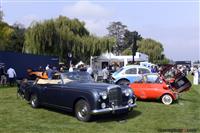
89	70
47	67
11	76
105	73
71	68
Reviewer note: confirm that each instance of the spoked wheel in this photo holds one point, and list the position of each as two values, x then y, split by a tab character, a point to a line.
20	94
123	82
34	101
167	99
82	111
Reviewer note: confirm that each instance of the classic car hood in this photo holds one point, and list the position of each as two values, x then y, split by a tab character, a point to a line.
97	86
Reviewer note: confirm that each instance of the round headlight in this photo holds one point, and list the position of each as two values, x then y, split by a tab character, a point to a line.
128	92
130	101
103	95
103	105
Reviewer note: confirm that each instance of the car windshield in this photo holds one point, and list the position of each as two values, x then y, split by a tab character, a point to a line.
77	76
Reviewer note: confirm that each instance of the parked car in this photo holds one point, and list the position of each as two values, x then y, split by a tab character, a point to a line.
129	74
153	86
76	92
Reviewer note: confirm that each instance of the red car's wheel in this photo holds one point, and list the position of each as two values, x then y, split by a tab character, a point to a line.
167	99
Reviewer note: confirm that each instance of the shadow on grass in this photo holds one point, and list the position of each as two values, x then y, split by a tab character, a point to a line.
98	118
158	101
184	99
57	110
121	118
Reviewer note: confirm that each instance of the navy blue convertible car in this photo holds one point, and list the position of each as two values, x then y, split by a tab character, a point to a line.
76	92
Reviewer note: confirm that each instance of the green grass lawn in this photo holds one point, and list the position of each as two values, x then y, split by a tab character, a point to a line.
17	116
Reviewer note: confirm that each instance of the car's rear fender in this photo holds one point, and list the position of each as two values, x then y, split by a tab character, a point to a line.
33	91
121	80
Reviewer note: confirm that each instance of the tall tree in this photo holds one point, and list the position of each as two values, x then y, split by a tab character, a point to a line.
6	32
117	30
1	14
17	38
131	39
63	36
154	49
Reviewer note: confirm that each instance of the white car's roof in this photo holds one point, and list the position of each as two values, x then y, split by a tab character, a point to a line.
135	66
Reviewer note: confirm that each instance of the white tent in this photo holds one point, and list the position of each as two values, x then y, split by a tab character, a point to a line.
79	63
109	57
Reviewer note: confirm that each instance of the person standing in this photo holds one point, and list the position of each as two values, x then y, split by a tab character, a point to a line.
3	75
105	73
49	73
47	67
71	68
11	76
90	71
196	77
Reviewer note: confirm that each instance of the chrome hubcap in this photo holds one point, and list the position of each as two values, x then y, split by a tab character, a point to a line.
167	100
33	101
83	111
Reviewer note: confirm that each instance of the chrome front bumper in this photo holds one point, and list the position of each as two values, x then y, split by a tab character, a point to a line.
107	110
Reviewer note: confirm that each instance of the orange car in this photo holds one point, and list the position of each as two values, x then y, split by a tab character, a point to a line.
152	86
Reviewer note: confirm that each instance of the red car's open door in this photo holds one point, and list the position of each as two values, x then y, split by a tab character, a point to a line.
175	77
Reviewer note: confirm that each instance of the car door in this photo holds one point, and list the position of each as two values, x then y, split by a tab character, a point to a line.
51	93
153	88
131	75
68	95
138	88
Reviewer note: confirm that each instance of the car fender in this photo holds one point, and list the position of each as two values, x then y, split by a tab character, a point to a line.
122	79
33	90
89	96
169	93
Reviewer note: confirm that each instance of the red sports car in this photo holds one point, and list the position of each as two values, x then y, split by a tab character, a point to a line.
153	86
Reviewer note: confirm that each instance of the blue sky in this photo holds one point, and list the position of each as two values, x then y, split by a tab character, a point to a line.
173	23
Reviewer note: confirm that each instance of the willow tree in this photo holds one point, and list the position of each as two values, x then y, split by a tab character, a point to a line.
6	32
153	49
61	36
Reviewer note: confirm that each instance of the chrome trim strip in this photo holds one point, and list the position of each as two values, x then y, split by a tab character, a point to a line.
106	110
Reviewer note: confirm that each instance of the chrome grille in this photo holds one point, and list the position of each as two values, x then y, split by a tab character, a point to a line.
115	96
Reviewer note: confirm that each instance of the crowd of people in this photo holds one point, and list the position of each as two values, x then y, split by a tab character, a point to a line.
7	75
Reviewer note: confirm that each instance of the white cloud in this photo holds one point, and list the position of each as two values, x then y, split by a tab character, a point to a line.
27	20
97	27
95	16
86	9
